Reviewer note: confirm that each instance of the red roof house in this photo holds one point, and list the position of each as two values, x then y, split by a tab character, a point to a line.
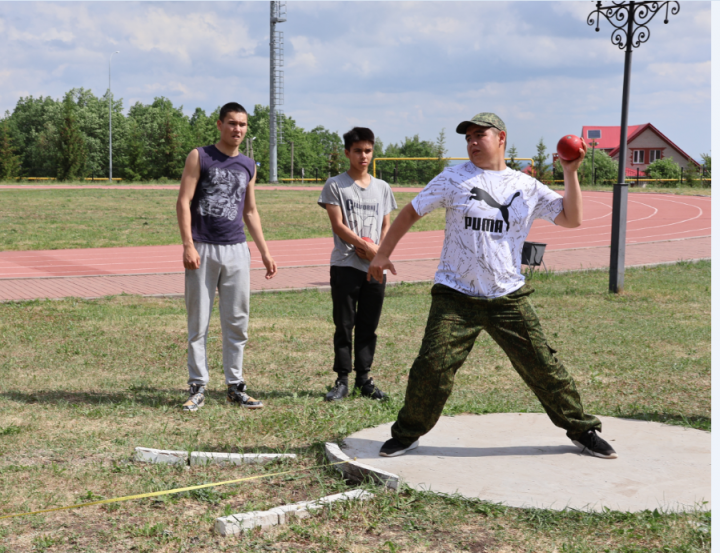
645	145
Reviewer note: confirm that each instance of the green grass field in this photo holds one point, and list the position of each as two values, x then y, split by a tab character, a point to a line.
86	381
58	219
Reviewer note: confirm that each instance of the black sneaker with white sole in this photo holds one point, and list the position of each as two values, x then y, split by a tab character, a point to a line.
368	389
393	448
594	445
338	391
237	393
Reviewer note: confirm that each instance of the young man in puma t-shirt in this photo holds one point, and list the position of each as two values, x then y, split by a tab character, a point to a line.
359	207
478	285
215	205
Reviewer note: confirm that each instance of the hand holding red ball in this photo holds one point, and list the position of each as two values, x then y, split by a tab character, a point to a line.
569	147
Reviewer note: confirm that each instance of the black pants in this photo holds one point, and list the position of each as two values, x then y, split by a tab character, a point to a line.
356	303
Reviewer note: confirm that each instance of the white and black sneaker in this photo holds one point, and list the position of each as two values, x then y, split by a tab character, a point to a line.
594	445
196	399
393	448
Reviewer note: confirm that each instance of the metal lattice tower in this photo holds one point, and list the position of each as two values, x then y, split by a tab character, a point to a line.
278	12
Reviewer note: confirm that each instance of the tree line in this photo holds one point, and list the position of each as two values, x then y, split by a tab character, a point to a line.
68	139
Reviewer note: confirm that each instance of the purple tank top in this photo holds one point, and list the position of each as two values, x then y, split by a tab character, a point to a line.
217	206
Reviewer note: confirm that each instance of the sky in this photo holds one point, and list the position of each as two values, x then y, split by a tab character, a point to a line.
400	68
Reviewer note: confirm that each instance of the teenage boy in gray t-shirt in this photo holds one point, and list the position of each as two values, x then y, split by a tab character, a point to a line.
359	207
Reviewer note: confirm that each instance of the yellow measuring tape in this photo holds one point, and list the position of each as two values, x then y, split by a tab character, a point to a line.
168	492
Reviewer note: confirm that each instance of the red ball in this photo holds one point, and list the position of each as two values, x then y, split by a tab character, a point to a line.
359	253
569	147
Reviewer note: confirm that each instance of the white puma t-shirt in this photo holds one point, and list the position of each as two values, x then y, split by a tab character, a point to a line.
488	215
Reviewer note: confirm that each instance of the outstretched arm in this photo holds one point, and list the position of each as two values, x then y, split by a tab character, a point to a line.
404	221
572	213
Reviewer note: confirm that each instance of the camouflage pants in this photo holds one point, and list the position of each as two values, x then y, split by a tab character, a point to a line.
454	323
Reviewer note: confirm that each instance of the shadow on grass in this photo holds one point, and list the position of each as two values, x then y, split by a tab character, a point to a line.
137	396
696	421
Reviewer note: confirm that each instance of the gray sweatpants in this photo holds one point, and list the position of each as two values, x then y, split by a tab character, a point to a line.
227	268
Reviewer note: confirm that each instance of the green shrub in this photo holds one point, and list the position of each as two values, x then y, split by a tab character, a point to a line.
606	169
664	168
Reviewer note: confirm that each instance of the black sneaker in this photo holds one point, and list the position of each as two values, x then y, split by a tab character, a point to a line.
196	399
393	448
368	389
339	391
236	393
594	445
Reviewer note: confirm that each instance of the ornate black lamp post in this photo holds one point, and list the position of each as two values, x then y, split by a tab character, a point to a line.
629	20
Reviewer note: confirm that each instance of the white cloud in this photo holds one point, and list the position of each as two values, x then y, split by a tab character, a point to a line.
188	35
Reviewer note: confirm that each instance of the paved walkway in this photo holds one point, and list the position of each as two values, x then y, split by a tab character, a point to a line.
661	229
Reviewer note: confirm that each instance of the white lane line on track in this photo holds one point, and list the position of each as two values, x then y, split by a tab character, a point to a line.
664	225
636	240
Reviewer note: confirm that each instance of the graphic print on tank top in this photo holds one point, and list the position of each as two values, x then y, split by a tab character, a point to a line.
222	190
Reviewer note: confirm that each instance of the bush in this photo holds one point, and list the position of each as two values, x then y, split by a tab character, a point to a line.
606	169
664	168
692	175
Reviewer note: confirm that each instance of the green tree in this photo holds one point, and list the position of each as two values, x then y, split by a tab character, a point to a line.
138	163
203	129
513	163
707	165
542	168
414	172
441	152
35	120
72	149
692	174
335	162
606	169
9	160
664	168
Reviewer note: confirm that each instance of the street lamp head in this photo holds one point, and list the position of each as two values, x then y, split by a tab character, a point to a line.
629	20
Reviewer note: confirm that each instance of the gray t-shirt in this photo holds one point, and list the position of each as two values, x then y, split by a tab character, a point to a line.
363	210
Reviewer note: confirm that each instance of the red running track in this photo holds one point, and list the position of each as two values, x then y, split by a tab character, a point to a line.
651	218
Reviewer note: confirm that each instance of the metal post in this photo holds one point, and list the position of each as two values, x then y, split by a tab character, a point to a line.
292	161
592	172
620	191
110	103
624	17
682	170
276	82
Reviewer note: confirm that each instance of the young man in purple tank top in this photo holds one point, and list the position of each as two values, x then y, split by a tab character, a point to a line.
216	202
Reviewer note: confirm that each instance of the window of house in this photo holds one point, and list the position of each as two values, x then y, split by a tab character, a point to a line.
638	156
655	155
594	134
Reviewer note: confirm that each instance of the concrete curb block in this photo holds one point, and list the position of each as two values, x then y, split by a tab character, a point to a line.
205	458
194	458
161	456
358	472
236	524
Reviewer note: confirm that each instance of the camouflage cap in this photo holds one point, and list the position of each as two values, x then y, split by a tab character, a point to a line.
484	120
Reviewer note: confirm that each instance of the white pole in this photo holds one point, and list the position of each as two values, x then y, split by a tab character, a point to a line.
110	102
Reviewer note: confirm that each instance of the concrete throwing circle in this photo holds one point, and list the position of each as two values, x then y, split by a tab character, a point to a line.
523	460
